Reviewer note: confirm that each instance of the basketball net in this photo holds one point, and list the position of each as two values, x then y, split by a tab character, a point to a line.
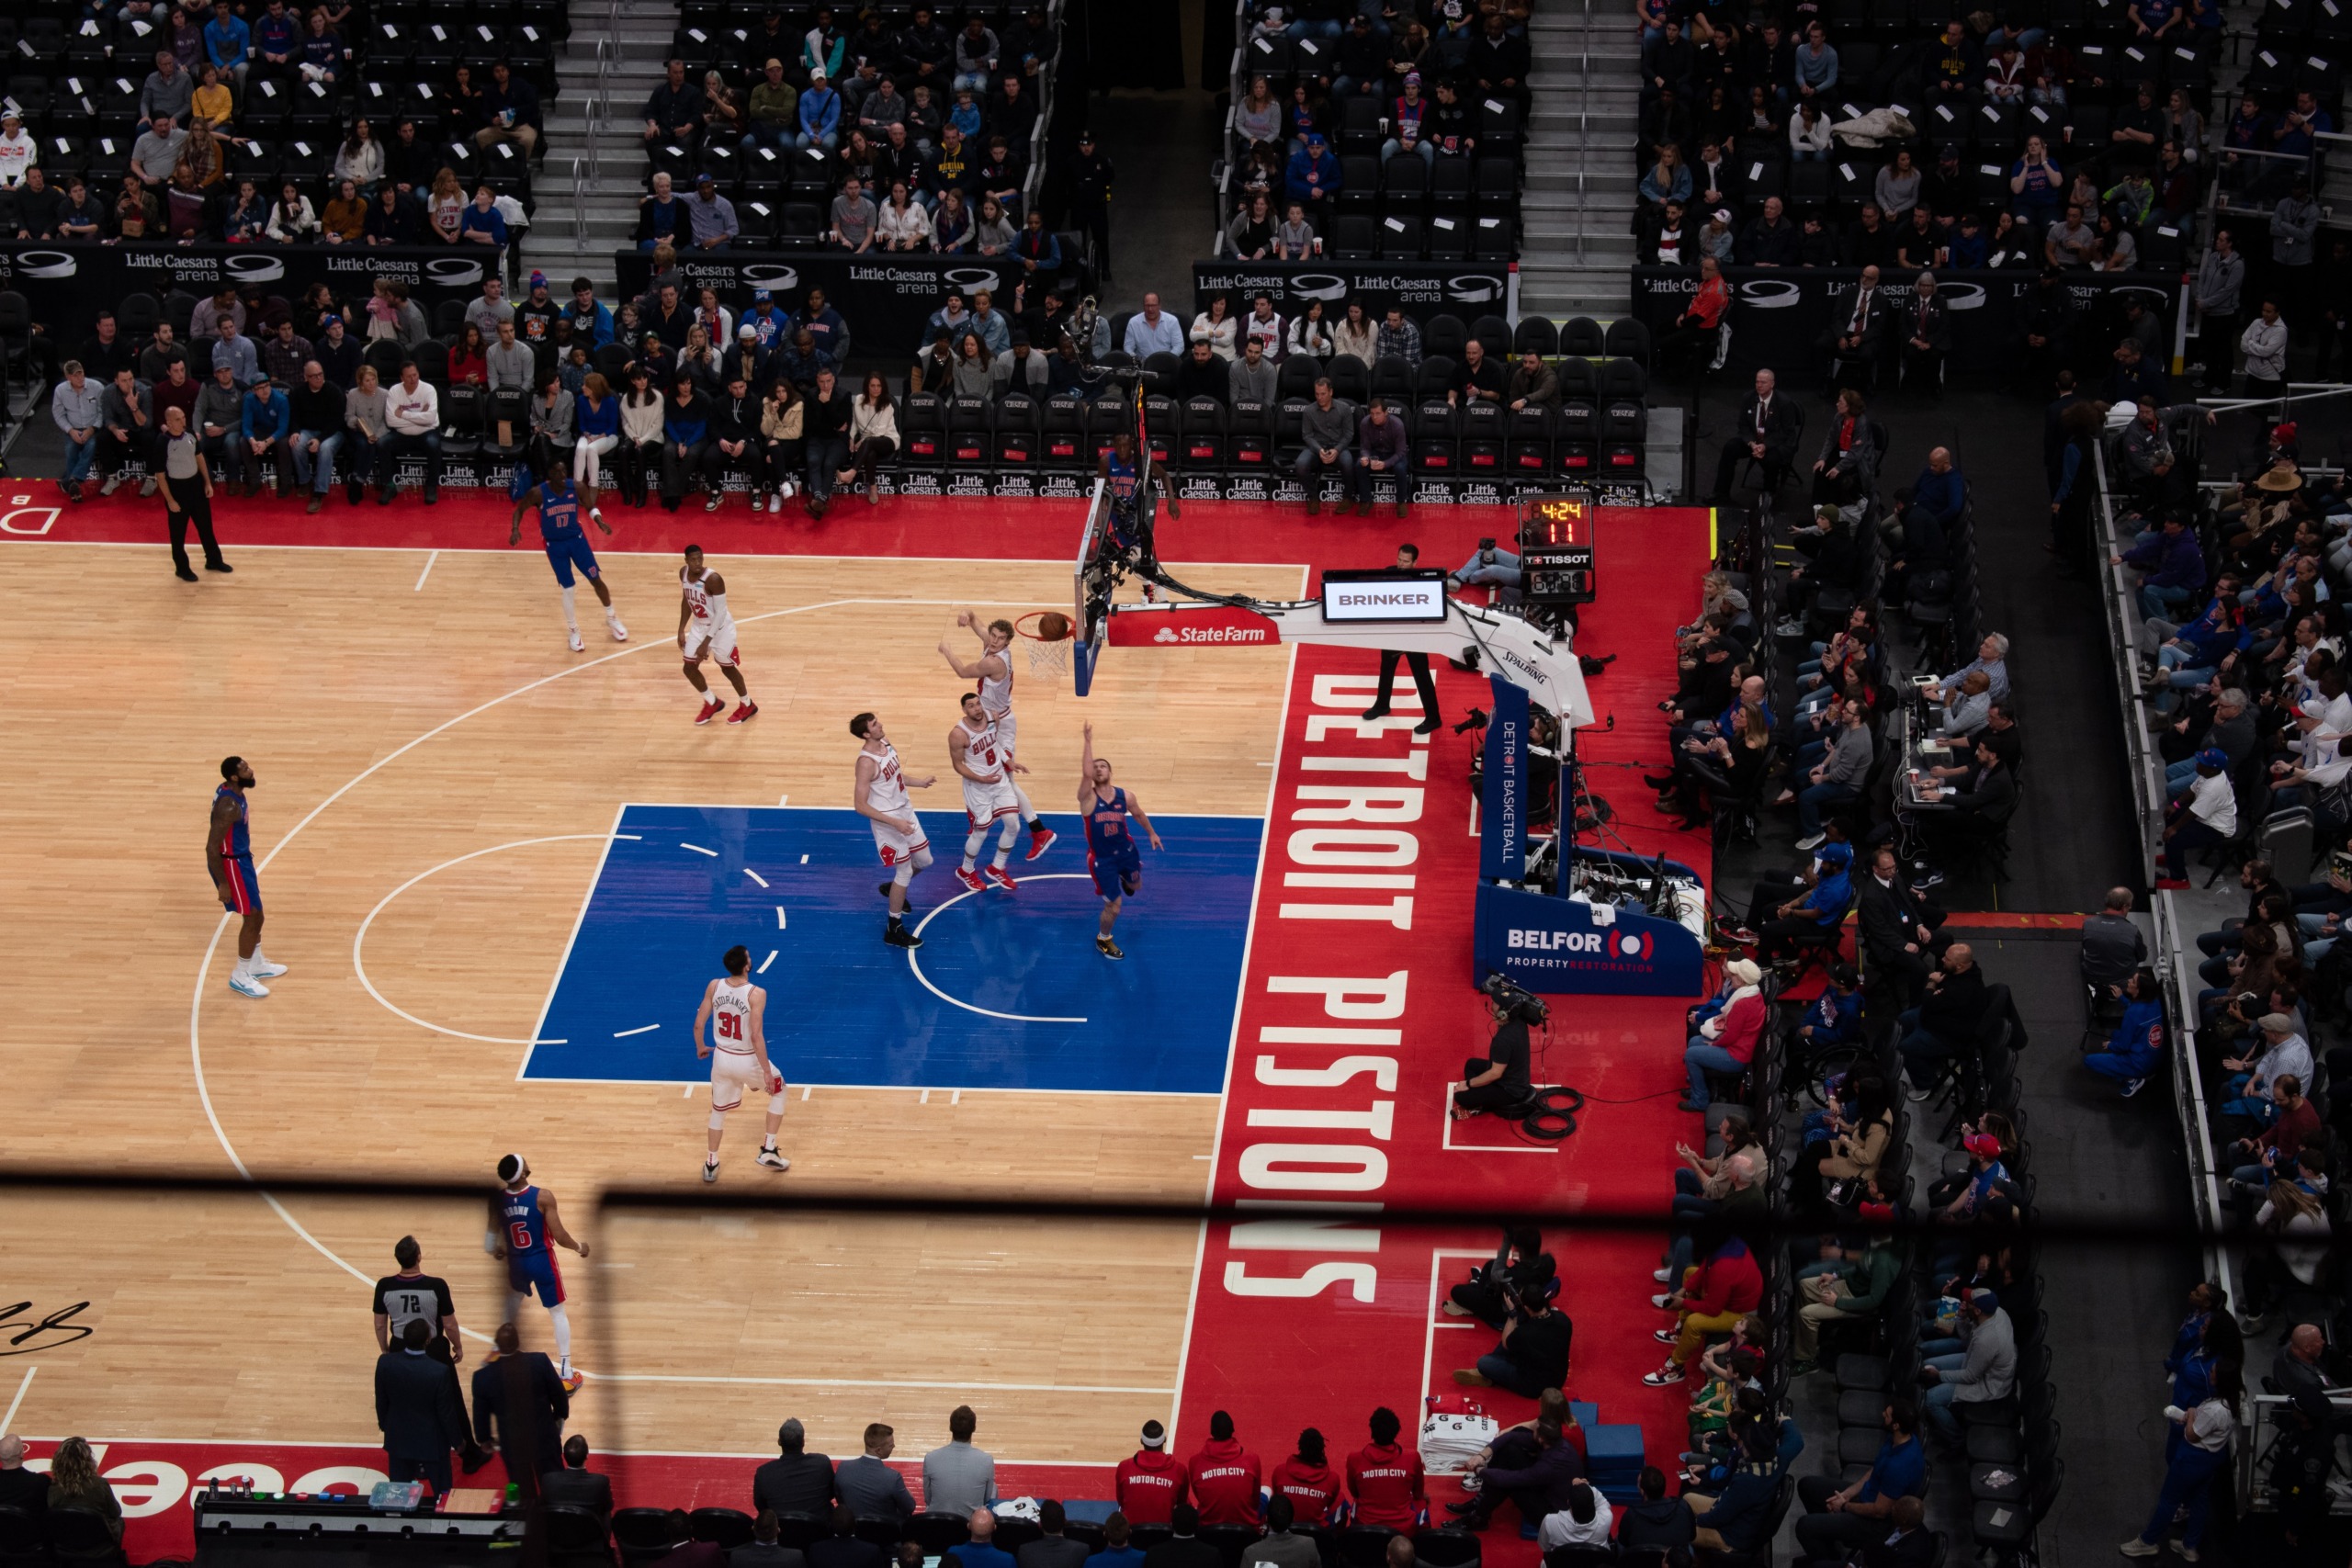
1048	660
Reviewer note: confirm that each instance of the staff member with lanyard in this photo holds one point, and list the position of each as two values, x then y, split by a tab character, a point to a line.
1407	558
187	487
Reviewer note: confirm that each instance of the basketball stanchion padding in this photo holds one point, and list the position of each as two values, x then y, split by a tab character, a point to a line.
1048	632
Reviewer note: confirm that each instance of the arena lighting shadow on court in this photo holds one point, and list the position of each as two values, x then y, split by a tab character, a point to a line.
1007	991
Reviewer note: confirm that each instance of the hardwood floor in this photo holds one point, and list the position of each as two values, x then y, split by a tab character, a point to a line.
397	717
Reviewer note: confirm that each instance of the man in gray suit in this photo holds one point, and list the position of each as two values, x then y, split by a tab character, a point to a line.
1053	1549
868	1485
419	1408
958	1478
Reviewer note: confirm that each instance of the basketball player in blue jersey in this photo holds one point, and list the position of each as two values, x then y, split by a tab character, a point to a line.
1121	473
567	545
229	856
523	1229
1110	853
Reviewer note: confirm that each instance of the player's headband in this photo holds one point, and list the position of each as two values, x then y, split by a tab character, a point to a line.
522	1167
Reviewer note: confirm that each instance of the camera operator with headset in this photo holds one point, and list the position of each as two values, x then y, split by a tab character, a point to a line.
1499	1080
1532	1354
1519	1264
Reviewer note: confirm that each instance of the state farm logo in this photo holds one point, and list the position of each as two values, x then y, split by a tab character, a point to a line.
1213	633
1207	626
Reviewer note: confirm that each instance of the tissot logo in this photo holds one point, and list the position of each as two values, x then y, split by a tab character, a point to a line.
1319	286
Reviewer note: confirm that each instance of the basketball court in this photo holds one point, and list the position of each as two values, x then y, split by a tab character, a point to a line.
500	874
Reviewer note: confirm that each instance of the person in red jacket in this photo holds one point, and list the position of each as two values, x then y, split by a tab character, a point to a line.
1151	1484
1721	1291
1386	1478
1224	1480
1307	1479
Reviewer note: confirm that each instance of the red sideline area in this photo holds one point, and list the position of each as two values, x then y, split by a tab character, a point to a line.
1358	1012
1358	1009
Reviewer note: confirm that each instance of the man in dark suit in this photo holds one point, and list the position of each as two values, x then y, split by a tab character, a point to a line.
1854	341
1927	335
1053	1549
576	1485
843	1549
1186	1549
19	1487
1908	1544
419	1409
520	1392
1768	431
1899	936
764	1551
797	1482
869	1488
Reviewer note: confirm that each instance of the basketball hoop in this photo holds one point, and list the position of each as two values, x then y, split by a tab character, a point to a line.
1049	654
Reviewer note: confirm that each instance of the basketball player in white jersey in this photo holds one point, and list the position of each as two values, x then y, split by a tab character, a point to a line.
978	756
993	671
705	630
879	796
737	1011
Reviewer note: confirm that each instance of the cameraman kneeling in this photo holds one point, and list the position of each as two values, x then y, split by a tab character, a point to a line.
1521	1265
1499	1080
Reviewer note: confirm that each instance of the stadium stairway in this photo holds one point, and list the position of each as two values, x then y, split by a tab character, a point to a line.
588	188
1576	213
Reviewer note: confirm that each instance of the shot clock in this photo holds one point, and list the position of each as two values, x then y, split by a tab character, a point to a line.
1555	552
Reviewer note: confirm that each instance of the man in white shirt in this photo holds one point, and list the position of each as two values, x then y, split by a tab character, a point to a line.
1151	331
15	150
1584	1522
2284	1053
412	423
2208	816
1264	327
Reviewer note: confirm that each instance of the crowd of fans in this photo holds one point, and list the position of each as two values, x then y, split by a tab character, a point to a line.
260	123
1364	125
913	131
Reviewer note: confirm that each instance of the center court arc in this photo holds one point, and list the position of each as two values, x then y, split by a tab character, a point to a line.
845	1010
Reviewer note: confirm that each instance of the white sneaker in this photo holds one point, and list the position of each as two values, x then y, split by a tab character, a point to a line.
776	502
710	1171
1815	842
1662	1275
790	489
773	1160
576	644
147	487
113	483
620	632
2135	1547
268	971
246	986
1661	1300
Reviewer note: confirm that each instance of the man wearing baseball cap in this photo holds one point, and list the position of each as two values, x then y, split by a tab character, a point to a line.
2284	1053
2206	815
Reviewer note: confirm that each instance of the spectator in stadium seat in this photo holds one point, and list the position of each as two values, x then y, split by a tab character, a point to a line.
1151	1484
1816	64
1400	338
1535	1471
796	1481
1982	1374
1476	378
1053	1549
511	108
166	93
1185	1549
710	217
1945	1021
1658	1523
1116	1553
1772	240
577	1486
1385	1478
1329	428
229	43
1715	1295
1926	327
843	1549
1312	176
958	1477
763	1551
1226	1478
19	1487
1532	383
673	109
1839	1519
1152	331
1252	379
1726	1041
868	1486
1203	375
1280	1548
1766	434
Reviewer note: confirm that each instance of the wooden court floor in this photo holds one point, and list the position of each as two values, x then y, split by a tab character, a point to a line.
397	717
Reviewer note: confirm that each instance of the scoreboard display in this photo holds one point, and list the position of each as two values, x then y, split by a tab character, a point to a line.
1556	547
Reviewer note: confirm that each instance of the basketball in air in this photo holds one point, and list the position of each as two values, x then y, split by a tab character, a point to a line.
1052	625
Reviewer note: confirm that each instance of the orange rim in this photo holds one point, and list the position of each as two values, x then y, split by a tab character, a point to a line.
1027	625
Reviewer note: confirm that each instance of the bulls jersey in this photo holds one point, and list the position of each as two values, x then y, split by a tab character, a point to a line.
236	841
559	514
708	609
980	750
888	790
996	691
730	1017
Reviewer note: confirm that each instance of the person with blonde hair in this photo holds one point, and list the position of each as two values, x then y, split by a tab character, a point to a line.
75	1483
